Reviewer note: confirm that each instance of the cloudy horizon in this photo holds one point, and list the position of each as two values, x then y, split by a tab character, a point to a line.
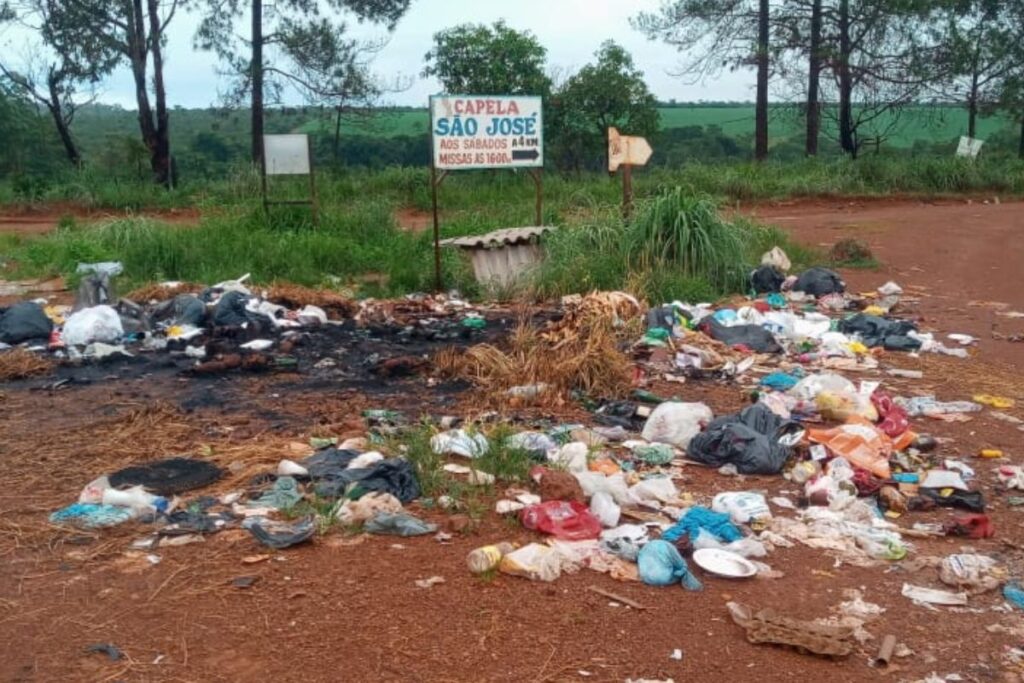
193	81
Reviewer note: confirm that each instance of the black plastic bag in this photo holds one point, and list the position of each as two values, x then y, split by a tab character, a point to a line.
877	331
749	440
230	311
184	309
819	282
754	337
766	280
329	470
23	322
966	500
167	477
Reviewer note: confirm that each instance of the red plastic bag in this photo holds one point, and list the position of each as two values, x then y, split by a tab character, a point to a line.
570	521
894	418
971	526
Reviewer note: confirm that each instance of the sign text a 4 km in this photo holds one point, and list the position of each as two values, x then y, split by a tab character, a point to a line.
486	131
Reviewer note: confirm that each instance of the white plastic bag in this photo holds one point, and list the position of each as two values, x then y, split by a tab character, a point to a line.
534	561
571	456
99	323
979	573
604	508
657	490
312	315
459	442
776	257
614	485
676	424
742	506
809	387
745	547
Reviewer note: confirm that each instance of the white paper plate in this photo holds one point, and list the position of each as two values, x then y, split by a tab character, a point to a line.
724	563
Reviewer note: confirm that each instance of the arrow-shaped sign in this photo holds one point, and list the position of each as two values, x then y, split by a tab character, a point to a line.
626	149
528	154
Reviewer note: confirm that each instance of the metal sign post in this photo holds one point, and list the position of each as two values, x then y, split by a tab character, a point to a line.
626	151
470	132
285	155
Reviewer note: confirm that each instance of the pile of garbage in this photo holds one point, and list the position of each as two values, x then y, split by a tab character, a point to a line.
229	325
605	496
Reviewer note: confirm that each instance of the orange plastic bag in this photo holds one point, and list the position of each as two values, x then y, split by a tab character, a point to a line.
860	442
605	466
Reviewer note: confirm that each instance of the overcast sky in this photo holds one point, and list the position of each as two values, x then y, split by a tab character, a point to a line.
571	30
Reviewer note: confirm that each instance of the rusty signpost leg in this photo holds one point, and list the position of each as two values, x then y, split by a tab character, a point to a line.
627	190
437	228
538	181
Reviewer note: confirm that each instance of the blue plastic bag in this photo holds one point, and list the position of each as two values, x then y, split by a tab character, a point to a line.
700	518
91	515
779	381
660	564
1014	594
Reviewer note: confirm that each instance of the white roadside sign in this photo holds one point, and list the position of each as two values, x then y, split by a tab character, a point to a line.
286	154
486	131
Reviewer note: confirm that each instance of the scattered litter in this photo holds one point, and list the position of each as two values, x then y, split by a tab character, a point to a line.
930	596
427	583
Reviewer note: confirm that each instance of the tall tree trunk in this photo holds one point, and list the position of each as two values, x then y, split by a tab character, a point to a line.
846	137
56	110
813	80
337	135
160	159
257	82
139	56
761	115
1020	150
972	106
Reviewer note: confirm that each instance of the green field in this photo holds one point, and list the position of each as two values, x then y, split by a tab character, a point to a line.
919	123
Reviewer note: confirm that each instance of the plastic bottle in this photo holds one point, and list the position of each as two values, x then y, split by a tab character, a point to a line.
487	557
990	453
804	471
134	497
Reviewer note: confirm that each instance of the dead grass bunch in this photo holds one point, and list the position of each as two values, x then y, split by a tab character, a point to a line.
581	351
158	292
21	364
297	296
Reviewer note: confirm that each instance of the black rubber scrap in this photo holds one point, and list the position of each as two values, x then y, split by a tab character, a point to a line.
110	650
167	477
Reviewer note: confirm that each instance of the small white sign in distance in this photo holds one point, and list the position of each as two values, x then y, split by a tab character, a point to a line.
286	154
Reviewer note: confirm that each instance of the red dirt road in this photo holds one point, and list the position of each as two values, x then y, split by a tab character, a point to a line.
45	219
964	259
347	609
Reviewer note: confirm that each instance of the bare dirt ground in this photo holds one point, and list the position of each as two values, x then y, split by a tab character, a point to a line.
346	607
32	220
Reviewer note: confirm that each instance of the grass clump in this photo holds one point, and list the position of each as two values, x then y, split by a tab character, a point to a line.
678	247
850	252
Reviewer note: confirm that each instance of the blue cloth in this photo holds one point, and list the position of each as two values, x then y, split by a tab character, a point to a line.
660	564
700	518
776	300
779	381
726	316
1011	591
91	515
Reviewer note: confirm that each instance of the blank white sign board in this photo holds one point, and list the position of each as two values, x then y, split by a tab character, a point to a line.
286	154
969	147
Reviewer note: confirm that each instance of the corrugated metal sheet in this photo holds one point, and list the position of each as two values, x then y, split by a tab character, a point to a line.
498	238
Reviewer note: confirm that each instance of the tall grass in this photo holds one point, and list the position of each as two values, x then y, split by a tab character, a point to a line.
872	174
678	246
686	233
